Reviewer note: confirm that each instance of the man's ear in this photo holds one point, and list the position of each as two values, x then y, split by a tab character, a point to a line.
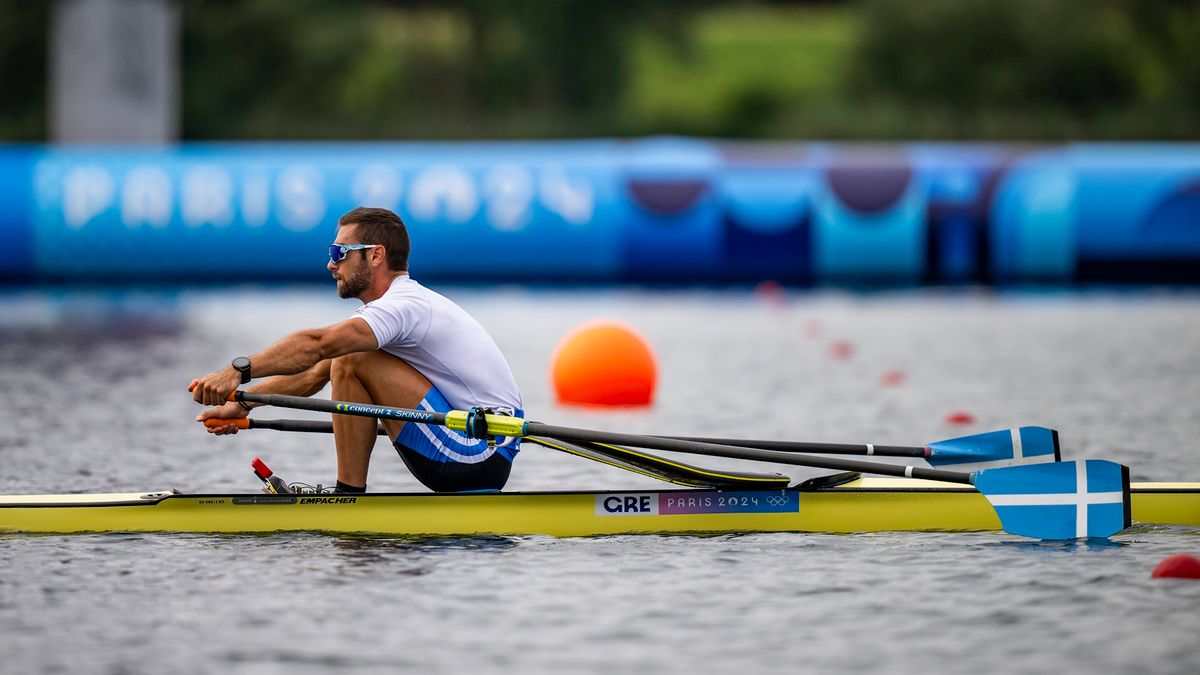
379	255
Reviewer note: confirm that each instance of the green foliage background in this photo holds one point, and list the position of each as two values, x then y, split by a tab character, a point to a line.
865	70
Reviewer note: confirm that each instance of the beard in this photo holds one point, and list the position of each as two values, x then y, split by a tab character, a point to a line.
353	284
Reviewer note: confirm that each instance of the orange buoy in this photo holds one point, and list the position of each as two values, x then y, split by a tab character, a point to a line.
1178	566
604	363
892	378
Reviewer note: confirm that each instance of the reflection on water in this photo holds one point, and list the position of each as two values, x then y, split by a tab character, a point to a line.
417	555
1071	546
374	547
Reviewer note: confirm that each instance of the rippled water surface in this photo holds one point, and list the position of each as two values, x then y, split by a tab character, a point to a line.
93	400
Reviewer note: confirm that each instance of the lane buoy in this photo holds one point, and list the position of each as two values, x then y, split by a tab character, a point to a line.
771	293
813	329
960	417
1178	566
604	363
841	349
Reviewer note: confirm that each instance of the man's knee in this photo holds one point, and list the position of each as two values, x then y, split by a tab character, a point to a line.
346	366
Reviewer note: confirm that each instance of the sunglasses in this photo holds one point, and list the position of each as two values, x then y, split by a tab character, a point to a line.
338	252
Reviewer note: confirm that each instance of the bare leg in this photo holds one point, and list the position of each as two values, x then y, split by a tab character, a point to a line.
369	377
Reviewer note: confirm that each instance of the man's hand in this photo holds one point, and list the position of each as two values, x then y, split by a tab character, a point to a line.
215	388
230	411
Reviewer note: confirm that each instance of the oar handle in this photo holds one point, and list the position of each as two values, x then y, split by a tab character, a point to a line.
241	423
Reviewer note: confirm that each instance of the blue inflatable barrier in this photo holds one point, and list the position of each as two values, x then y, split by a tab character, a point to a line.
646	210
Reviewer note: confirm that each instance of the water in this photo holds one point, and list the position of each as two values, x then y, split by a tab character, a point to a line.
93	400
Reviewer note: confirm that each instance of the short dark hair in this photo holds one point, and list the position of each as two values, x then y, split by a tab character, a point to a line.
381	226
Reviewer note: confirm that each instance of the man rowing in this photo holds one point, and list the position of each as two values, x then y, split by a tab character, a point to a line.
407	346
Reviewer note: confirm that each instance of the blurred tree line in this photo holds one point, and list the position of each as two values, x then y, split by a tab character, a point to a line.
867	69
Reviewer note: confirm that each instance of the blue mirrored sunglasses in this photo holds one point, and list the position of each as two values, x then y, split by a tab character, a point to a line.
338	252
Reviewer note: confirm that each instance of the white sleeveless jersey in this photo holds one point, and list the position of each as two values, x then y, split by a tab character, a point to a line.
443	342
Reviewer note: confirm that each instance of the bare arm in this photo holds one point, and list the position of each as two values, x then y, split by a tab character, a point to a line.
306	383
302	350
294	355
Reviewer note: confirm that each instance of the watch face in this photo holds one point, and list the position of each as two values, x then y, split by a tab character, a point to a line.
242	365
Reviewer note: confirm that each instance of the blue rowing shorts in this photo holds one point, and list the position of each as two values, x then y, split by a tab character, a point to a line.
450	461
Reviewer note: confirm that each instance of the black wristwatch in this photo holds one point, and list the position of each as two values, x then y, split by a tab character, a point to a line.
242	365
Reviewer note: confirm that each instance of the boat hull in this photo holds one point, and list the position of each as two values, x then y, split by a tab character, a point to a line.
865	505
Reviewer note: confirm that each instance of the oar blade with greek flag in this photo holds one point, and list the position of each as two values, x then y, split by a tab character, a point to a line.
1062	500
1010	447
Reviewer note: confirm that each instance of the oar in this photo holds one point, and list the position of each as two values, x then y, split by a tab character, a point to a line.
1011	447
1061	500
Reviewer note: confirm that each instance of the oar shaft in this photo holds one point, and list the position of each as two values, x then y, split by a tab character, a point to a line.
735	452
818	448
342	407
308	426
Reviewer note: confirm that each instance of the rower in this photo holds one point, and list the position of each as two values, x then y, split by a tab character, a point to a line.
406	346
